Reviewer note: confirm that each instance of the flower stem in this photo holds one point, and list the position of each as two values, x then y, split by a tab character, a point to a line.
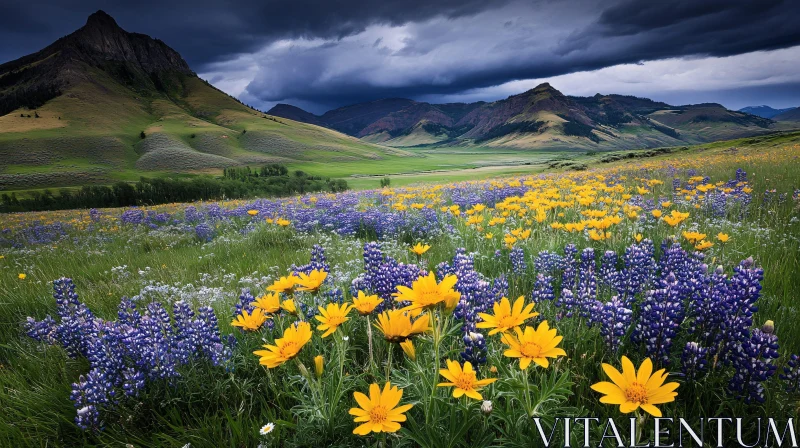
437	329
640	418
528	406
389	362
369	343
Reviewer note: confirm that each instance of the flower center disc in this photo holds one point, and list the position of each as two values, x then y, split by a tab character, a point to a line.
636	393
378	414
531	350
465	381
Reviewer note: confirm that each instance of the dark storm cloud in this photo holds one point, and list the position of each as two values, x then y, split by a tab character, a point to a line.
208	30
523	41
658	29
325	54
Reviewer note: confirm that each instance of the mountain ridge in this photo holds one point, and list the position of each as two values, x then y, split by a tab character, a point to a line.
543	117
765	111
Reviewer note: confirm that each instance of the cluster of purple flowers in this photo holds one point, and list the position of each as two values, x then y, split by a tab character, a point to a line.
474	349
318	262
143	344
34	234
674	300
478	294
694	360
382	274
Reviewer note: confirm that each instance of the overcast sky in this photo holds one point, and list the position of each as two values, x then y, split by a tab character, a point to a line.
324	54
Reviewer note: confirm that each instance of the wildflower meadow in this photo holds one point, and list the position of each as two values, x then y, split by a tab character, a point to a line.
451	315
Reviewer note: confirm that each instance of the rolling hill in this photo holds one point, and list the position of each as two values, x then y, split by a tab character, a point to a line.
541	118
103	104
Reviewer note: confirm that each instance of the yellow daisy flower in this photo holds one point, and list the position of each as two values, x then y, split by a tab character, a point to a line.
287	347
331	317
365	304
632	390
380	411
505	316
396	325
284	284
270	303
425	293
289	306
312	281
533	345
420	249
408	348
250	321
464	381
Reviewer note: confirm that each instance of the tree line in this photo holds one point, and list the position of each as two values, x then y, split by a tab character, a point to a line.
235	183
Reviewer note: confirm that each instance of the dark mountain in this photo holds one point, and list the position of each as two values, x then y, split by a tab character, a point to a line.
103	104
542	117
296	114
135	60
764	111
352	119
789	115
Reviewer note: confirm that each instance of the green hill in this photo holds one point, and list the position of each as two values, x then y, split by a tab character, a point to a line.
102	105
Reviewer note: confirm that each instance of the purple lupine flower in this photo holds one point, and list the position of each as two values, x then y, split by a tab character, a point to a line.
318	262
543	289
204	232
383	274
791	374
694	361
753	363
586	292
738	306
245	303
474	349
548	262
661	314
518	264
570	267
615	320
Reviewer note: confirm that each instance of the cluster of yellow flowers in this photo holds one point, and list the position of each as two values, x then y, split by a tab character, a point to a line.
426	299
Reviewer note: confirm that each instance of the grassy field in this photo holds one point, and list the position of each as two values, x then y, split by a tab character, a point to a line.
92	134
225	405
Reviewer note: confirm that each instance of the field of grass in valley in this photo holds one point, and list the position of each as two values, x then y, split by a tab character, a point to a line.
687	258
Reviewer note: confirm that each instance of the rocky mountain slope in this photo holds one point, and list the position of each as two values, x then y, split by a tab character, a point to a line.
542	117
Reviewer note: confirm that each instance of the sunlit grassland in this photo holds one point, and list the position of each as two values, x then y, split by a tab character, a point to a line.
214	407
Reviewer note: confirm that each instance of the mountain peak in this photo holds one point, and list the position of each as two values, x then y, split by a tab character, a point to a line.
134	60
101	19
543	88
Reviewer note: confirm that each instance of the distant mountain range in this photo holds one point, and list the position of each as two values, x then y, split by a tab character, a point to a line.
103	104
765	111
539	118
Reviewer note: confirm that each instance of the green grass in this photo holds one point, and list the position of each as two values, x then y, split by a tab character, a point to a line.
94	131
212	407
